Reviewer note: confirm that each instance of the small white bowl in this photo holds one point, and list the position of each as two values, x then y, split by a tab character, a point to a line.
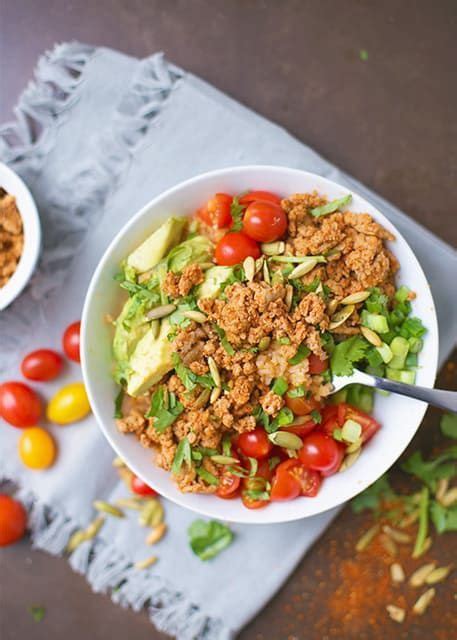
400	417
12	183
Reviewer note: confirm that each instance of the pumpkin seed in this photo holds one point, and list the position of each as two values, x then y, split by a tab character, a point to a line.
154	328
351	431
151	515
419	577
161	312
396	573
147	562
350	459
438	575
94	527
106	507
215	393
201	400
130	503
367	537
441	488
355	298
388	544
259	264
249	268
264	343
217	459
355	446
332	306
204	266
449	497
371	336
273	248
118	463
266	273
196	316
286	440
76	539
340	317
398	536
303	268
214	371
410	519
289	296
425	547
125	475
157	533
397	614
424	601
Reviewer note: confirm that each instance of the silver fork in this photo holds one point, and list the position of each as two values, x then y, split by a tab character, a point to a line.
437	397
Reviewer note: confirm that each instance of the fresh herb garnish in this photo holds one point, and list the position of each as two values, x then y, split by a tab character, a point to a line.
279	386
429	472
448	425
164	412
190	379
284	417
118	403
444	519
237	211
183	454
261	416
37	612
331	206
255	494
316	416
208	539
224	342
346	353
423	523
302	353
208	477
273	462
363	55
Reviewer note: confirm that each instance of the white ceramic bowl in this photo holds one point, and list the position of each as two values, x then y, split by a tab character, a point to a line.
13	184
400	417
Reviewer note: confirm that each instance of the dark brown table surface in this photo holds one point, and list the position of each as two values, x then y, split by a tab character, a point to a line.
390	121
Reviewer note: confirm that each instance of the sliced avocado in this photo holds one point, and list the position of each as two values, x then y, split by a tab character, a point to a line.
150	360
214	278
159	243
131	325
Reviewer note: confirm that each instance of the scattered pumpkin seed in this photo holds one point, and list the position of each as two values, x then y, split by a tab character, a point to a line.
217	459
340	317
289	296
396	572
147	562
371	336
110	509
214	371
388	544
423	602
425	547
77	538
154	328
118	463
259	264
215	393
355	446
410	519
249	268
151	515
441	488
355	298
125	475
196	316
201	400
397	614
398	536
273	248
350	459
419	577
94	527
206	265
366	538
449	497
130	503
266	273
161	312
286	440
264	343
304	267
438	575
157	533
332	306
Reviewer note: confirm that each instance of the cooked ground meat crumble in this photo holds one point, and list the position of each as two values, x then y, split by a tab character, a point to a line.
11	236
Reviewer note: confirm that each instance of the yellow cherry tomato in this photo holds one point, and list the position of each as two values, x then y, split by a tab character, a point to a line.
69	404
37	448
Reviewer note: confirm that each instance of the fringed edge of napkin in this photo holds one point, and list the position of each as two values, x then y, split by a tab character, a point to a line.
24	145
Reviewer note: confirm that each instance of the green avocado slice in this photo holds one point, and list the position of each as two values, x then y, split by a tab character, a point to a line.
159	243
150	360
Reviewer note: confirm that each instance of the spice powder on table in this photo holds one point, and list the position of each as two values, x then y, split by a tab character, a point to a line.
11	236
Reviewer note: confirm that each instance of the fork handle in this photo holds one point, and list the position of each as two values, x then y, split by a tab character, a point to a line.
437	397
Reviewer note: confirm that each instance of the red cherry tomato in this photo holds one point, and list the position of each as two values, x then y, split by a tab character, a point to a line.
302	406
254	444
321	453
141	488
301	428
216	213
228	485
42	365
71	340
263	196
284	485
13	520
19	404
309	480
234	247
316	365
369	425
265	221
251	503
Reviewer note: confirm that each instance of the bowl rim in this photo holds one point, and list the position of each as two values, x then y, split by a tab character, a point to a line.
250	516
15	186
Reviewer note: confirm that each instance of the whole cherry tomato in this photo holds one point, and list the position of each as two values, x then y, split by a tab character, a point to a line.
316	365
13	520
265	221
254	444
141	488
321	453
216	213
71	341
69	404
262	196
19	404
37	448
229	484
302	406
234	247
42	365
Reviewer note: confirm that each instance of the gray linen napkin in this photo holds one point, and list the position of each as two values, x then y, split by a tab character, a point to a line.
113	132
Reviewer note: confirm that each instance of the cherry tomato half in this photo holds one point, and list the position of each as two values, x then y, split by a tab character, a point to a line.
316	365
254	444
13	520
42	365
300	428
71	341
262	196
284	485
369	425
234	247
265	221
252	503
69	404
228	485
321	453
37	448
141	488
19	404
302	406
216	213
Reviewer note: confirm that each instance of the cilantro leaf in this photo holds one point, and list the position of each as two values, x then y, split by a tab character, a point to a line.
373	496
346	353
316	416
183	454
444	519
164	414
190	379
118	403
208	539
331	206
37	612
224	342
261	417
444	466
236	211
448	425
